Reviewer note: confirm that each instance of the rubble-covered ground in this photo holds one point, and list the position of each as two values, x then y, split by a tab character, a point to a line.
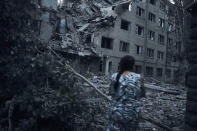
165	108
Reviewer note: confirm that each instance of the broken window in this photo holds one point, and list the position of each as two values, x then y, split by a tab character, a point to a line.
88	38
150	53
61	26
160	55
140	11
138	69
125	25
169	27
124	46
139	30
162	5
153	2
101	66
151	17
161	39
138	50
168	73
107	43
149	71
161	22
110	66
151	35
125	6
170	43
159	72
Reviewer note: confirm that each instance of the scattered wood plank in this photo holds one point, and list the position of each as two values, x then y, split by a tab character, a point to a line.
68	67
158	88
181	97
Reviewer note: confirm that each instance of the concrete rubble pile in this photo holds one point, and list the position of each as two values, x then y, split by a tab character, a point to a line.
168	109
79	22
82	18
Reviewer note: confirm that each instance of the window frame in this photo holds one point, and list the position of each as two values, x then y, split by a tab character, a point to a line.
160	40
148	70
160	55
140	11
161	22
105	46
150	53
162	6
168	71
151	35
122	48
151	17
137	30
138	52
159	72
122	26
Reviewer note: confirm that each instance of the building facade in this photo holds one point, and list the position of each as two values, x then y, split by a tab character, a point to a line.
145	30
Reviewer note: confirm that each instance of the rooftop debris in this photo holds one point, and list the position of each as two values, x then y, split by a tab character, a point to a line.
83	19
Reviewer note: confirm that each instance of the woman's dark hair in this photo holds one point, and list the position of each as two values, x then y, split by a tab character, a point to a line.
126	64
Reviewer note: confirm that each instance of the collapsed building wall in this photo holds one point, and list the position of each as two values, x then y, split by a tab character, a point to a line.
70	26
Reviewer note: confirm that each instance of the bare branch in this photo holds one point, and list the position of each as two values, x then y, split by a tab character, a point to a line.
11	108
80	76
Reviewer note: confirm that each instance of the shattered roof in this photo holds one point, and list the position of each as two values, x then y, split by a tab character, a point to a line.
91	15
88	16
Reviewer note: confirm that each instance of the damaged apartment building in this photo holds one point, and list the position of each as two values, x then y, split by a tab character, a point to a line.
69	27
147	30
95	34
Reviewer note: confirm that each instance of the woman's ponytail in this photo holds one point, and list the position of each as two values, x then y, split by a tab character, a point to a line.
126	64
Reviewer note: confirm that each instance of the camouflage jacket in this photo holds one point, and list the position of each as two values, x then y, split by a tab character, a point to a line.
125	106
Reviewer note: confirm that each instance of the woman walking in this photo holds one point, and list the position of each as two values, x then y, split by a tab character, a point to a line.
126	88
